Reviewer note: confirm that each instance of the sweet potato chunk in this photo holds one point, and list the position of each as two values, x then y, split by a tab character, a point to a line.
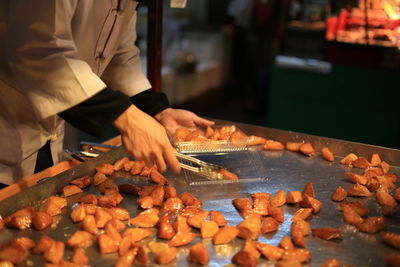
279	199
391	239
158	195
302	214
208	229
146	202
296	231
141	257
350	216
277	213
55	253
14	253
310	202
82	182
165	230
119	213
361	163
256	140
107	186
372	225
270	252
198	254
53	205
225	235
105	168
327	233
327	154
307	149
119	164
384	198
293	146
245	259
196	220
137	234
269	225
144	219
309	190
70	190
260	205
102	217
99	178
339	195
348	159
397	194
250	246
42	245
300	255
288	263
78	214
228	175
79	257
286	243
355	178
375	160
273	145
384	166
169	191
181	239
41	220
250	228
81	239
190	200
88	199
127	258
125	244
357	206
218	217
242	204
157	177
107	244
359	190
137	167
112	232
180	224
331	263
173	204
21	219
294	197
166	256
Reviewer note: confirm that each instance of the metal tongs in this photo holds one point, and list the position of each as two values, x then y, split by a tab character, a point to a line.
206	169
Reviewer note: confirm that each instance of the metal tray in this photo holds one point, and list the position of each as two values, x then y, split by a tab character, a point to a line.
283	170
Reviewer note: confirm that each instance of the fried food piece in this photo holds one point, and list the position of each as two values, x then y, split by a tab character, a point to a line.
293	146
6	263
288	263
145	171
53	205
137	234
99	178
129	189
373	184
102	217
348	159
245	259
286	243
359	190
181	134
145	219
304	226
218	217
55	253
166	256
357	206
228	175
392	260
250	228
273	145
119	213
307	149
125	244
355	178
302	214
107	186
327	233
127	258
82	182
250	247
119	164
141	257
225	235
14	253
350	216
109	200
165	230
397	194
384	198
279	199
372	225
41	220
331	263
106	169
391	239
112	232
78	214
208	229
146	190
190	200
339	195
180	224
242	204
260	205
146	202
310	202
21	219
260	195
196	220
157	247
157	177
294	197
79	257
384	182
24	242
88	199
384	166
173	204
1	224
198	254
42	245
296	232
227	131
277	213
327	154
107	244
361	163
309	190
89	224
269	225
256	140
270	252
375	160
158	195
169	191
81	239
209	132
300	255
129	165
181	239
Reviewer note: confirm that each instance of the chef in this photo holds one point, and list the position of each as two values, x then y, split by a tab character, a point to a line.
75	61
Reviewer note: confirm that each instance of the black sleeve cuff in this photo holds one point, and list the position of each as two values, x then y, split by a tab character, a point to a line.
96	113
150	102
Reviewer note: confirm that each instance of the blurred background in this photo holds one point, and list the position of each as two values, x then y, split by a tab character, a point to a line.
327	68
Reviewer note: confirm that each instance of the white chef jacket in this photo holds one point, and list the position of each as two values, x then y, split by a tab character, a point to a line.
55	54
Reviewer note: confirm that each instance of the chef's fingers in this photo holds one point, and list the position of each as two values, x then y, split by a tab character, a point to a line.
171	160
159	160
202	122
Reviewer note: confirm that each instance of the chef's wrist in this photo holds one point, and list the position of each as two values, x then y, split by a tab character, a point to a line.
150	102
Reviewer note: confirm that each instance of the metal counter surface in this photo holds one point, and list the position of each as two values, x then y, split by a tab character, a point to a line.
279	170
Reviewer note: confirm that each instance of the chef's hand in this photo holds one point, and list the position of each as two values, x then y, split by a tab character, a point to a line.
173	119
145	139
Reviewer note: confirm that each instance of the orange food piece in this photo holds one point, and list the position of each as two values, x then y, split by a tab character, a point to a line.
125	244
310	202
361	163
198	254
242	204
79	257
108	200
384	182
256	140
107	244
307	149
181	134
277	213
137	234
384	166
209	132
42	245
294	197
169	191
146	190
102	217
339	195
107	186
166	256
309	190
225	235
82	182
359	190
88	199
137	167
106	169
300	255
24	242
286	243
190	200
296	232
250	246
293	146
260	205
119	164
141	257
375	160
218	217
127	258
196	220
180	224
227	131
245	259
228	175
55	253
288	263
355	178
119	213
279	199
78	214
145	219
41	220
181	239
384	198
372	225
250	228
269	225
348	159
391	239
350	216
357	206
327	233
397	194
99	178
270	252
112	232
157	177
302	214
373	184
53	205
158	195
165	230
262	195
208	229
14	253
129	189
331	263
70	190
273	145
327	154
81	239
304	226
173	204
146	202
